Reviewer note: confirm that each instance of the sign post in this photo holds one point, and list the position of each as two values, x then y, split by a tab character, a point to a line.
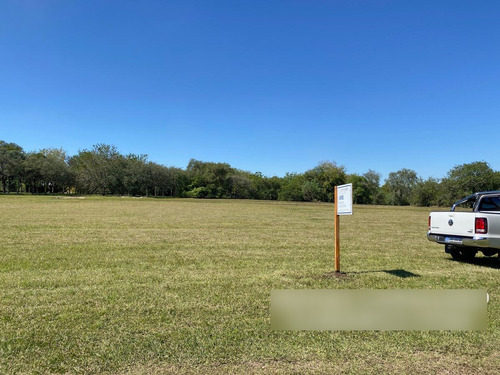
343	206
337	234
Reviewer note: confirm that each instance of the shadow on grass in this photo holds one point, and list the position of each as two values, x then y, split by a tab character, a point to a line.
399	273
491	262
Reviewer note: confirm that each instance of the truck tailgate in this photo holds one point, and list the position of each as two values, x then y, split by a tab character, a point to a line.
453	223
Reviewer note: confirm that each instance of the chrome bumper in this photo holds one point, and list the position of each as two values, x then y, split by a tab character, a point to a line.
476	241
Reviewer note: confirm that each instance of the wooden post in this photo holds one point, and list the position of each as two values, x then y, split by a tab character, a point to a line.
337	234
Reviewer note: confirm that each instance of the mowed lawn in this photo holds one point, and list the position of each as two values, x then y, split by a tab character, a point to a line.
147	286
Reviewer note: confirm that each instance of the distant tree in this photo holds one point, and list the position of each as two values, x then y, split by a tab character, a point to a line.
291	187
426	193
241	187
135	177
259	185
311	191
11	164
179	182
373	186
266	188
496	180
273	187
466	179
360	189
366	188
97	170
166	181
212	177
399	186
102	169
158	179
54	170
33	172
326	175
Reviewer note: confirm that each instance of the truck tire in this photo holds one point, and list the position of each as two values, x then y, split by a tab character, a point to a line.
461	253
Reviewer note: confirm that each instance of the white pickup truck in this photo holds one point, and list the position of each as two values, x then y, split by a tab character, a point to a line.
464	233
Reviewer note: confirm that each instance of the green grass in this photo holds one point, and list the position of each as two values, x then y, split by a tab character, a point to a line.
145	286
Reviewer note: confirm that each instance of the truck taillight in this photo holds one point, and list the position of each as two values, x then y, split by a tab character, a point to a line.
429	222
481	225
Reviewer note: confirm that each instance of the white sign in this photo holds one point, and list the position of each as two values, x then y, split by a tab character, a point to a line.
344	199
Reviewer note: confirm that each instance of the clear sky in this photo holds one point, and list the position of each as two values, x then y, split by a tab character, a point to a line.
273	86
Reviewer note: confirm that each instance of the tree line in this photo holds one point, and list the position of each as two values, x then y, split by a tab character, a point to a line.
104	170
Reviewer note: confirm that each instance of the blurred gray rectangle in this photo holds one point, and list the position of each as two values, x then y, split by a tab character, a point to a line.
384	310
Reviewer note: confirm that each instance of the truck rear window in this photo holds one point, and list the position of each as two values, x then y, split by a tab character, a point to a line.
490	204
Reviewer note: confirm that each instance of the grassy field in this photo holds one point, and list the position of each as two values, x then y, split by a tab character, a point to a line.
144	286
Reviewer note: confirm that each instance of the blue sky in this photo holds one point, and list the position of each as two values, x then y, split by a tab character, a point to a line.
269	86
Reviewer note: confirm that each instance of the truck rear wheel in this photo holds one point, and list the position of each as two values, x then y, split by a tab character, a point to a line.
461	253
